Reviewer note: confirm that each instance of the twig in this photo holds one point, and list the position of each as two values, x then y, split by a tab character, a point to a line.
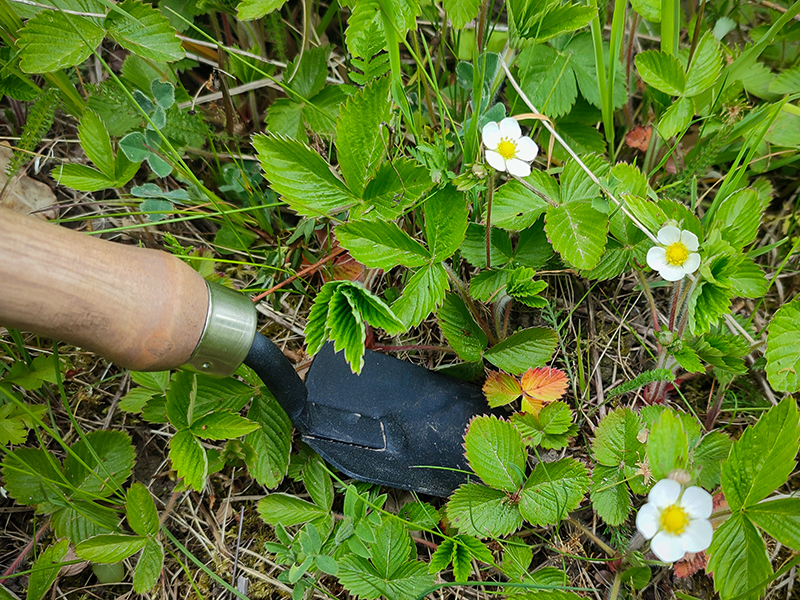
310	269
574	156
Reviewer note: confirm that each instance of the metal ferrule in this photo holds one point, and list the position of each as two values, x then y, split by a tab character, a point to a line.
228	333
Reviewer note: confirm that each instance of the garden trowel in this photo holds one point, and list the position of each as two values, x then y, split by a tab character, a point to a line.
395	424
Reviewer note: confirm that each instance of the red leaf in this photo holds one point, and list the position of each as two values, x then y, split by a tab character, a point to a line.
501	389
541	386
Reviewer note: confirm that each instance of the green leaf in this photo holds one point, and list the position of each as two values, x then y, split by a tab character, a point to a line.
515	207
708	456
163	93
360	137
495	451
144	31
288	510
346	328
285	118
563	18
133	146
82	178
141	510
482	511
13	426
609	495
575	185
381	245
649	9
547	79
361	578
787	82
189	459
523	288
661	71
473	249
783	352
419	515
81	520
677	118
667	445
115	450
524	350
780	519
149	567
462	563
31	377
445	222
647	212
222	425
45	570
318	483
110	548
391	548
301	176
54	40
553	490
705	67
461	12
749	280
687	358
738	217
549	428
442	556
486	285
616	439
250	10
96	143
272	441
762	459
459	328
422	295
577	232
395	186
738	558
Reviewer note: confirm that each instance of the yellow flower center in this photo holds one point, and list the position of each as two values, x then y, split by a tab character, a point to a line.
677	253
507	149
674	519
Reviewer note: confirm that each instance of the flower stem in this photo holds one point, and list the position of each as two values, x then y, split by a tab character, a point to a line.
650	300
489	196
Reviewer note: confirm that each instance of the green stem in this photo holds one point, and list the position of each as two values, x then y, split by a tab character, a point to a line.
615	586
670	26
489	196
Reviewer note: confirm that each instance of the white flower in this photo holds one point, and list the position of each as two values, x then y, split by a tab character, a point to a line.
676	256
676	520
507	149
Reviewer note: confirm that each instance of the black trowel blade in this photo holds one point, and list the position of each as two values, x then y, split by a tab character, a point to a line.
395	424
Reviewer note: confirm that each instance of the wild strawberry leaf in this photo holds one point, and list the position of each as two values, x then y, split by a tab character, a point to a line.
541	386
501	389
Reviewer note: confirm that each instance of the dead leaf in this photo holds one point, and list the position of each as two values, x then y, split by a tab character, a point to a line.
690	564
639	137
23	194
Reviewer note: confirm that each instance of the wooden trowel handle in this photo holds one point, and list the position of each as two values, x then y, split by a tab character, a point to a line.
143	309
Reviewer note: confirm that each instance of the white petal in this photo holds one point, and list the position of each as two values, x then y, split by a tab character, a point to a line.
527	149
667	548
689	240
697	502
692	262
648	520
665	493
669	235
657	258
698	535
491	135
494	159
518	167
672	272
509	128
